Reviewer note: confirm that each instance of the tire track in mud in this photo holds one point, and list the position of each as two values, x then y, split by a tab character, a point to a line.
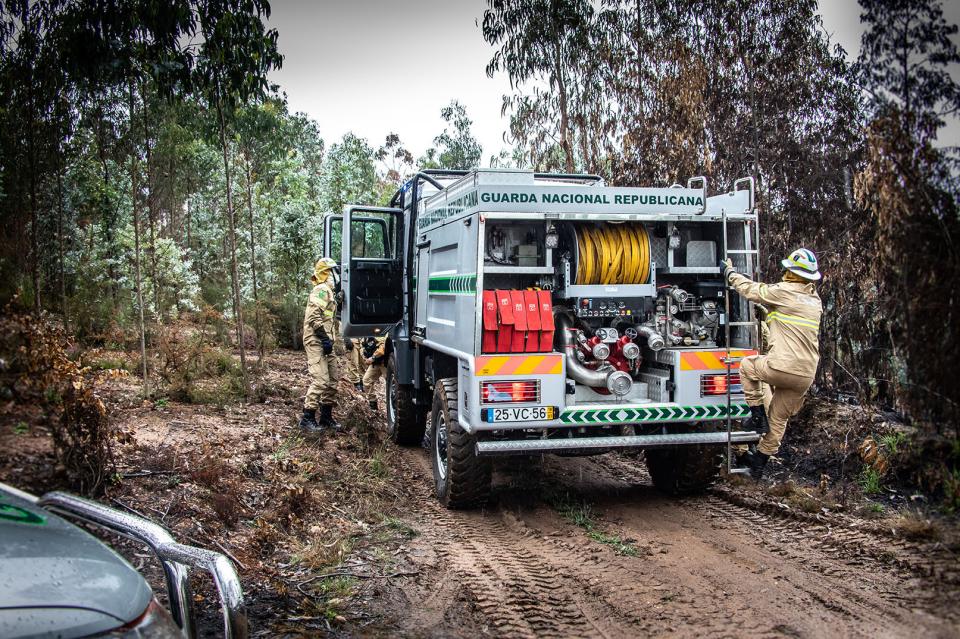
737	576
726	569
889	568
903	575
517	593
932	560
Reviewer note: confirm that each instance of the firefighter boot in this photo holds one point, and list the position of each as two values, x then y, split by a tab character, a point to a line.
308	422
757	461
326	418
757	420
743	456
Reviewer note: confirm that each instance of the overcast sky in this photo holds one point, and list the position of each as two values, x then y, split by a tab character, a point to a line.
379	66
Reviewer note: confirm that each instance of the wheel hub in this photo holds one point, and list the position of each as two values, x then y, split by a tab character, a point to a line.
392	401
440	448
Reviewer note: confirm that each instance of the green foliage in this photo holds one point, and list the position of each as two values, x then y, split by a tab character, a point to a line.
893	441
349	174
951	490
869	480
456	148
621	547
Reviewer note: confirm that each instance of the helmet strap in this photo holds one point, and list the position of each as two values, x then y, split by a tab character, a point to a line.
790	276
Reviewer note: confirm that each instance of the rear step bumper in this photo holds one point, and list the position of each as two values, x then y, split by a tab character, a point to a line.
488	448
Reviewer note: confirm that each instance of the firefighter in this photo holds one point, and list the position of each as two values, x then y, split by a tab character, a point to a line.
375	357
788	368
319	336
354	372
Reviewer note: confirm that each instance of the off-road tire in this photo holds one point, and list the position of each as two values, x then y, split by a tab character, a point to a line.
684	470
465	481
406	422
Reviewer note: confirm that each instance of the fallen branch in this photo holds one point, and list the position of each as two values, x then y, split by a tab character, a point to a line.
227	553
147	473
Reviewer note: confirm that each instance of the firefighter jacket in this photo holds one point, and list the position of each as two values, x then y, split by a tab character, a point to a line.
321	309
375	348
793	322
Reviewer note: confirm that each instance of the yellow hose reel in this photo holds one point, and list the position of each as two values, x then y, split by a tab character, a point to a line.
612	254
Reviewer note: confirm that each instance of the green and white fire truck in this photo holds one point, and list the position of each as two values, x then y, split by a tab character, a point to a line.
532	313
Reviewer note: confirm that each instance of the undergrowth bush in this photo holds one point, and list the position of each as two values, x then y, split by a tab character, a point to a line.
192	365
38	372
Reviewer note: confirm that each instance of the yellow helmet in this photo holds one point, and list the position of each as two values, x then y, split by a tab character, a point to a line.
320	270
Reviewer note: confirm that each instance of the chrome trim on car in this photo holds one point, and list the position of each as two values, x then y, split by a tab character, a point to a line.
176	559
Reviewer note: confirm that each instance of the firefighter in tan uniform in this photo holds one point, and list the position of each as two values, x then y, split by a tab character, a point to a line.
354	372
375	357
319	336
790	364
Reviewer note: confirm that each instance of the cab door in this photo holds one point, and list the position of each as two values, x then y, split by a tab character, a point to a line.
371	269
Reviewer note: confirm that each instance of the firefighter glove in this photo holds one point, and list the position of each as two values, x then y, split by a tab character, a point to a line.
327	345
726	267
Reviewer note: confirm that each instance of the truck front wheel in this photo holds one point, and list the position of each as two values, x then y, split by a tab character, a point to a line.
461	479
685	470
406	422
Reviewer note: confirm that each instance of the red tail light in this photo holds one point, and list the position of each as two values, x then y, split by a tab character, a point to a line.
717	385
510	392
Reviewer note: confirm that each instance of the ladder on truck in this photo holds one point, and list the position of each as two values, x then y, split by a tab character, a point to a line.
751	254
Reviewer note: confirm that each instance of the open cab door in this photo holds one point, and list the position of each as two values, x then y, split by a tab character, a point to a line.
371	268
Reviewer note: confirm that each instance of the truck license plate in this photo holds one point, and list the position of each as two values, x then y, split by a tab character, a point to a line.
524	414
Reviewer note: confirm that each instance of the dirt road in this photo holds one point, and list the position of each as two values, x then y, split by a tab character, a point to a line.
607	556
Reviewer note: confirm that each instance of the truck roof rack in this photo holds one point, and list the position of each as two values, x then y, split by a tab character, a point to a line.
578	178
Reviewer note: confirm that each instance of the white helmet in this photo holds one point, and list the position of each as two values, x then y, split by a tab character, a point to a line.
804	263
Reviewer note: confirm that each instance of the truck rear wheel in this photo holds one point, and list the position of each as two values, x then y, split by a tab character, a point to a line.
461	479
685	470
406	422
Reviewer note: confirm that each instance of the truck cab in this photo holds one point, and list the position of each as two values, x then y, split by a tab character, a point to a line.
533	313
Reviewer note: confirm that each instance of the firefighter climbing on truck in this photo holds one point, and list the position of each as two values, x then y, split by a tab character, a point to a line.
788	368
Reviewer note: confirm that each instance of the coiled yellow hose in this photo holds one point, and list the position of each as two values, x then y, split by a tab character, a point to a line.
613	254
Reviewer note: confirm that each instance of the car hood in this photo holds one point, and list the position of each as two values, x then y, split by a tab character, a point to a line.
59	579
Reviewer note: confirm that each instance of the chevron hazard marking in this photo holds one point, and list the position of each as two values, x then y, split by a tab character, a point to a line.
645	414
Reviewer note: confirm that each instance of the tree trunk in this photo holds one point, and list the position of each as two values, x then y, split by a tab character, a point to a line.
564	116
134	201
102	153
63	278
32	163
253	262
152	252
232	242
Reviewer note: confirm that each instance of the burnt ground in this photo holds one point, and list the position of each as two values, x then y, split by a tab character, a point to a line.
341	536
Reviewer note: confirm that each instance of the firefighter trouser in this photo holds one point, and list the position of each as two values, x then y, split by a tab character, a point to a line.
370	378
323	375
354	368
787	397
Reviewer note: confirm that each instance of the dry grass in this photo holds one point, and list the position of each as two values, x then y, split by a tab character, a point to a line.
915	526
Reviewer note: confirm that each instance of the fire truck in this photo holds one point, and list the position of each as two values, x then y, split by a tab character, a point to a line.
532	313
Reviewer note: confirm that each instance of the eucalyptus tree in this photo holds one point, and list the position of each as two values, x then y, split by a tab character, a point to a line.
261	139
237	53
543	41
349	174
396	160
909	188
455	147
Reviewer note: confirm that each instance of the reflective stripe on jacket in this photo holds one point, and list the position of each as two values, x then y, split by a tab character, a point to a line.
793	320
